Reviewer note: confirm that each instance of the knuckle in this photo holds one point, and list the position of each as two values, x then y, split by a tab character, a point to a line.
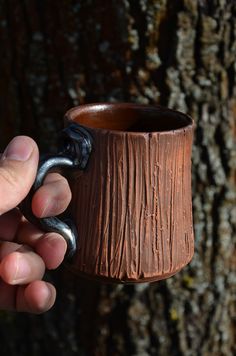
60	186
54	178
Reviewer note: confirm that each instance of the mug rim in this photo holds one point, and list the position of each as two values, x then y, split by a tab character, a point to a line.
71	114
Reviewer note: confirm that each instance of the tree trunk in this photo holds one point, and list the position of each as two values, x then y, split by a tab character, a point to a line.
180	54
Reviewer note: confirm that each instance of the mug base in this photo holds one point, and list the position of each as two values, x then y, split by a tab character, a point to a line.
111	280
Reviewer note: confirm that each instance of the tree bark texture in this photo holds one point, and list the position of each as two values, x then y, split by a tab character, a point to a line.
180	54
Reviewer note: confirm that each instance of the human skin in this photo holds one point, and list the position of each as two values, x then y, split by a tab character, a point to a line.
25	251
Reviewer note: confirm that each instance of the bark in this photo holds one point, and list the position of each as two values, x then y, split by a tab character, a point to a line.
181	54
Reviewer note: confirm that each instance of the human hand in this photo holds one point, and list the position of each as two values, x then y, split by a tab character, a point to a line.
25	251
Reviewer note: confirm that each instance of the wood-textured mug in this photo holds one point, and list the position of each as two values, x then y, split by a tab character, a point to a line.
130	177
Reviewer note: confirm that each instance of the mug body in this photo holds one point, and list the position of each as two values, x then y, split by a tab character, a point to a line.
132	205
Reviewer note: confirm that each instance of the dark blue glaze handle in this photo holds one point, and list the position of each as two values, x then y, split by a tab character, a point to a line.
74	152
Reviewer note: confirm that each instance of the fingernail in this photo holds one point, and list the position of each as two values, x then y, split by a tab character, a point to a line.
19	149
48	299
23	270
46	209
48	292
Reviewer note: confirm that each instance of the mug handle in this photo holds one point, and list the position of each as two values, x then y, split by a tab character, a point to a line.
75	146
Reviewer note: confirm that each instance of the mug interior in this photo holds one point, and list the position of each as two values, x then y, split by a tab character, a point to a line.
128	117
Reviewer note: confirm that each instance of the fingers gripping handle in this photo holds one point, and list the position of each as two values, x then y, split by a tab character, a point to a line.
75	149
53	224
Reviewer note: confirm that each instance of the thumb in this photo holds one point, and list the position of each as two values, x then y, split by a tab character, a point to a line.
18	167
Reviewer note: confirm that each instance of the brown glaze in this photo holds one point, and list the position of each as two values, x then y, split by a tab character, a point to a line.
133	205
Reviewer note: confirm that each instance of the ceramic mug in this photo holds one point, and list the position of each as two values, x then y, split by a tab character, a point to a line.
129	170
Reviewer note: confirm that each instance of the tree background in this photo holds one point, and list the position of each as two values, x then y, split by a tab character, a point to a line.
180	54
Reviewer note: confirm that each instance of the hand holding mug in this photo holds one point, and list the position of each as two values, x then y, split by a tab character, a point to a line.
25	251
129	170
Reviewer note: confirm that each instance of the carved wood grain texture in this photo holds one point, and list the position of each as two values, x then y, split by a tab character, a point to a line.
133	206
